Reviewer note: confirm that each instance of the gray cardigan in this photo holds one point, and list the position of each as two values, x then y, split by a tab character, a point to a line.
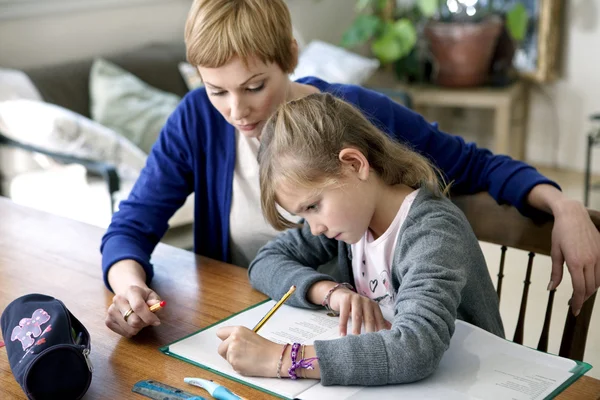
439	274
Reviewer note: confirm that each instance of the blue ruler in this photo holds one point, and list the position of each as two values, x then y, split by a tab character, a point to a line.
160	391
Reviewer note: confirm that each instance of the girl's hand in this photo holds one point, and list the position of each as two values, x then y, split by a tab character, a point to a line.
362	310
249	353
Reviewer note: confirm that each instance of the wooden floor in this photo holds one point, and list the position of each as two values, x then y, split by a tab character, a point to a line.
572	184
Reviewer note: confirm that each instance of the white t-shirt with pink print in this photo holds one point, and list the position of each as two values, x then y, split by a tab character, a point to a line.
371	261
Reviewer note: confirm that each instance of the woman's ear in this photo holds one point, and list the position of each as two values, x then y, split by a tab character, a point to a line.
355	161
295	55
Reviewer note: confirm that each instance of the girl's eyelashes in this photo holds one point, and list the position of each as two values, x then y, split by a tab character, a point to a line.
249	89
313	207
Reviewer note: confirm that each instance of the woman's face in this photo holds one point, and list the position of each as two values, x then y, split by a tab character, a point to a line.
246	96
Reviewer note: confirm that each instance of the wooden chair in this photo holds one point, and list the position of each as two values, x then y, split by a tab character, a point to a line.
505	226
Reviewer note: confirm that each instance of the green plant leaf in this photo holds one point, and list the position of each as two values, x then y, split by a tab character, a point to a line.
427	7
387	48
362	29
516	21
405	31
406	34
396	41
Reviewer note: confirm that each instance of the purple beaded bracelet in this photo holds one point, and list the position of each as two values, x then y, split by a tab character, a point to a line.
294	355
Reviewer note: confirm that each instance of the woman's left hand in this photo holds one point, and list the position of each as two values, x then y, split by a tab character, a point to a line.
249	353
576	241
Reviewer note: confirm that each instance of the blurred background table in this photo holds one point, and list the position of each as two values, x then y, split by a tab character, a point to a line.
510	106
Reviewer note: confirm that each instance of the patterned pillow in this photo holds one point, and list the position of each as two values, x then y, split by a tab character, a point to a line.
123	102
62	131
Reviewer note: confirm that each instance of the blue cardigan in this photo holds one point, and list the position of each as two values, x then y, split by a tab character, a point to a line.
195	152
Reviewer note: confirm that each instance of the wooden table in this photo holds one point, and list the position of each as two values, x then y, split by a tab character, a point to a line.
59	257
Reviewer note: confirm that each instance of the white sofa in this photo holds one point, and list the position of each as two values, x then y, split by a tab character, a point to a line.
76	188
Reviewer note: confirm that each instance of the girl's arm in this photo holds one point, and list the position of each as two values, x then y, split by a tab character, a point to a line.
437	262
431	275
292	258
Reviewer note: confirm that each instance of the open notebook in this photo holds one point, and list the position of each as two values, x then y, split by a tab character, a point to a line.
478	364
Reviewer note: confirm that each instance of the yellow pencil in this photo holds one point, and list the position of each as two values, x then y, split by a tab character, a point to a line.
275	308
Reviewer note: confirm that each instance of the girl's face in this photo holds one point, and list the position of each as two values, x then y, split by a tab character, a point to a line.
343	212
246	96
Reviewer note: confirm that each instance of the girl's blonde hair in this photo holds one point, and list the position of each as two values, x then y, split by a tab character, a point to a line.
300	146
217	30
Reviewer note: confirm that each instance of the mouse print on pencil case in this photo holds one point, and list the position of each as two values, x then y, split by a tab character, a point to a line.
31	328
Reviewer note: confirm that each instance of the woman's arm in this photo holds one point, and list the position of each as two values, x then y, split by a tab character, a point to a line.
575	240
162	187
469	168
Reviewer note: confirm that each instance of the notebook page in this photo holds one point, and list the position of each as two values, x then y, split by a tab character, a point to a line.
288	324
477	365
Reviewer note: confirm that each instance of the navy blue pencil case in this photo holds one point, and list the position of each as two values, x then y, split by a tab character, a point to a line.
48	348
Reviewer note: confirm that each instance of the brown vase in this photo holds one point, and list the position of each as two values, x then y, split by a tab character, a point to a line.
462	51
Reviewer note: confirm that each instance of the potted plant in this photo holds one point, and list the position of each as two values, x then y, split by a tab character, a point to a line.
461	34
391	29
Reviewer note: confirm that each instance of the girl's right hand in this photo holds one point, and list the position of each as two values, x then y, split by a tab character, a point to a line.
127	278
361	309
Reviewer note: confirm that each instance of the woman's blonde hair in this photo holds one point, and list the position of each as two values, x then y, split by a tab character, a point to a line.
300	146
217	30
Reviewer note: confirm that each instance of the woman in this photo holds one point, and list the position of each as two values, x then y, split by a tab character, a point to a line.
244	51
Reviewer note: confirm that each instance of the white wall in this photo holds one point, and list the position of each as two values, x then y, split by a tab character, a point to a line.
322	19
559	112
61	36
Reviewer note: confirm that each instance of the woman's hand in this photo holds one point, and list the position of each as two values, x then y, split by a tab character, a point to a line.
575	240
131	292
361	309
249	353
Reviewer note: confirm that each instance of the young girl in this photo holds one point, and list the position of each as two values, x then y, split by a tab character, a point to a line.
405	252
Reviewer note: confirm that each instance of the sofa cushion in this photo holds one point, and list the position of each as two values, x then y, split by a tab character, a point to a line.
15	84
62	131
123	102
67	84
